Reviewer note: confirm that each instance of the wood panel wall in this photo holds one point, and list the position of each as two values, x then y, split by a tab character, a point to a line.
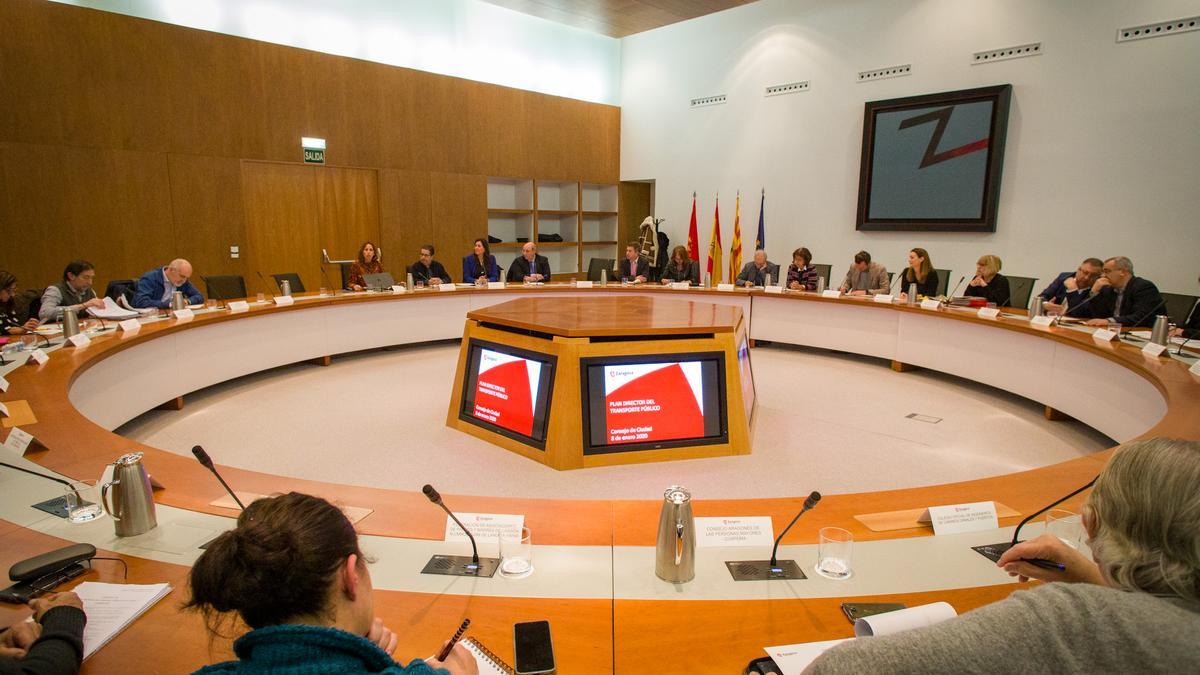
130	142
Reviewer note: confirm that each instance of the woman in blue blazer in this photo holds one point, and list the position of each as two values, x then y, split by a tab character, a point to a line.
481	263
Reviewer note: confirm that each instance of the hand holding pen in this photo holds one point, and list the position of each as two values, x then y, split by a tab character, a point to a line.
1048	558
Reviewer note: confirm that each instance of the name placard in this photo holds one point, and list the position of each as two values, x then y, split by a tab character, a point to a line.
3	384
773	289
496	285
239	306
184	314
930	303
4	410
1104	335
38	356
725	287
18	441
989	312
398	289
130	326
446	288
284	300
80	340
1043	321
1195	369
681	285
834	293
882	299
1154	350
485	526
959	518
736	531
584	284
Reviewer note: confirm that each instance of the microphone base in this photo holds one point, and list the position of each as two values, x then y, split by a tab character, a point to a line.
461	566
993	551
763	570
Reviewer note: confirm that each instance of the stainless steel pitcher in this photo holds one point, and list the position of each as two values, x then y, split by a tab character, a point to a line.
70	322
1038	309
675	560
1159	334
132	506
285	287
177	301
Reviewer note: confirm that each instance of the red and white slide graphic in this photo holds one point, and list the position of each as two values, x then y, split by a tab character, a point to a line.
506	391
648	402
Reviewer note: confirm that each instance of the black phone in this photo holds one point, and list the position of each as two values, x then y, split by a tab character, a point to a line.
533	649
857	610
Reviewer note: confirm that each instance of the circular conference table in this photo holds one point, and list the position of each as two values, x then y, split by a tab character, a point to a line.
595	574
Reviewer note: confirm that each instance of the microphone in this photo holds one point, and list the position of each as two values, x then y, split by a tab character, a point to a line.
899	276
1161	302
454	565
765	570
325	275
212	290
994	551
955	290
207	463
264	283
35	473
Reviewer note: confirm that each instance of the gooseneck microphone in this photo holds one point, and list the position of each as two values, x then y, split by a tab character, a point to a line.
436	498
955	290
994	551
213	290
454	565
263	279
1161	302
328	283
35	473
809	503
765	570
207	463
1035	514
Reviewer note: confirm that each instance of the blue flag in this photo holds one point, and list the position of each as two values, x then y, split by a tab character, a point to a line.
760	243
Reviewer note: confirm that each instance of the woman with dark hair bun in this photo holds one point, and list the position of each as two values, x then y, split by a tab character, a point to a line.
293	571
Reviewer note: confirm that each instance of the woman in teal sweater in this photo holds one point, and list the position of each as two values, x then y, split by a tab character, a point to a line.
293	572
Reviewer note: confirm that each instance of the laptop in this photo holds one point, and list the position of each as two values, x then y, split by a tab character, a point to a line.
378	281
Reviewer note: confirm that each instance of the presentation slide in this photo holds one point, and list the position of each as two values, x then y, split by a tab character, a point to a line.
507	390
649	402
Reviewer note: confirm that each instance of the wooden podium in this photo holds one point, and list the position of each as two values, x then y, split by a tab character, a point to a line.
578	339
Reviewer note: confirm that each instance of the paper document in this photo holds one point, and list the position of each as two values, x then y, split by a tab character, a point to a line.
112	607
112	311
793	659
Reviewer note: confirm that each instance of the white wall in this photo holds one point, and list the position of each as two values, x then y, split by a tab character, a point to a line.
1103	154
464	38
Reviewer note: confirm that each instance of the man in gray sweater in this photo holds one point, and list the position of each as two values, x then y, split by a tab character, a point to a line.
75	290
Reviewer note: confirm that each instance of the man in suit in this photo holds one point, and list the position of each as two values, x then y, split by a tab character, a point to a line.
1129	300
530	267
1072	288
155	287
634	268
755	272
427	270
865	277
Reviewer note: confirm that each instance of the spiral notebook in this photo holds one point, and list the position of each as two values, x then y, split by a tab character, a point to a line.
488	662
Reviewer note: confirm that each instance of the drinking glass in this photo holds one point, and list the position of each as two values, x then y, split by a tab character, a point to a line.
1066	525
834	548
516	554
323	292
261	298
83	501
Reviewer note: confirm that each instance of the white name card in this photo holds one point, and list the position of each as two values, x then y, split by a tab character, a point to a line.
496	285
1104	335
284	300
930	303
882	298
184	314
398	289
959	518
3	384
1154	350
130	326
1043	321
583	284
485	526
681	285
773	289
1195	369
740	531
446	288
793	659
834	293
725	287
4	410
989	312
239	306
80	340
18	441
39	356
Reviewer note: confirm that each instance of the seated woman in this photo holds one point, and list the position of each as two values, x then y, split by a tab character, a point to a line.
681	268
989	283
1135	608
480	267
10	321
801	275
920	272
367	263
293	572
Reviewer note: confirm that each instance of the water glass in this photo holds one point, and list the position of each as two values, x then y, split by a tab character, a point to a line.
1114	326
834	548
261	298
1066	525
516	554
83	501
323	292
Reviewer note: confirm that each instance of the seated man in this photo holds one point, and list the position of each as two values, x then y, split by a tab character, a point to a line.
427	270
865	277
530	267
1190	328
75	290
633	268
1072	288
755	272
1129	300
51	643
155	287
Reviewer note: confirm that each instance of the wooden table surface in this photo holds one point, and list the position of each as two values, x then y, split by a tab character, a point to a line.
611	316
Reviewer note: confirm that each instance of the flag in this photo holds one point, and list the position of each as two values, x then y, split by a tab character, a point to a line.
760	243
714	246
735	248
693	235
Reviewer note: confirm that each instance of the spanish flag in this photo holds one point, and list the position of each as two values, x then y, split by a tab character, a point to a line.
735	249
714	246
693	235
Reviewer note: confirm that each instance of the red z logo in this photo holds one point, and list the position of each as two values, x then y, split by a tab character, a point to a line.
942	117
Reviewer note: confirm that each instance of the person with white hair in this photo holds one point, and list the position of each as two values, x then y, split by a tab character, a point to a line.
155	287
755	272
1133	607
1123	297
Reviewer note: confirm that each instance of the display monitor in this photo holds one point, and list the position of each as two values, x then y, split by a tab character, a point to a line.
653	401
507	390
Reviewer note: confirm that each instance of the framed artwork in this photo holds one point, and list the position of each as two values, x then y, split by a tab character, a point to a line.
932	163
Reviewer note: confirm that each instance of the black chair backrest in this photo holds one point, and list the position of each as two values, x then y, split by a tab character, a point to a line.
891	278
225	287
27	304
1020	290
345	270
597	264
292	278
1179	306
118	288
824	271
943	281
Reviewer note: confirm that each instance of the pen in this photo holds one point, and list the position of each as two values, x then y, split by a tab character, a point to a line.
450	645
1045	564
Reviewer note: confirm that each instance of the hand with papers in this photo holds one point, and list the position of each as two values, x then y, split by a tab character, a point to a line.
112	311
1079	568
51	640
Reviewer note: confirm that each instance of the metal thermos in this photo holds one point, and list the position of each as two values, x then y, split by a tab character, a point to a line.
766	280
912	294
285	287
1158	334
675	558
70	322
1038	309
132	500
177	301
820	284
409	281
603	276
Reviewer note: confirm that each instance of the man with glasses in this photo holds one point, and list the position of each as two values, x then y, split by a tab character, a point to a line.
1122	297
1070	289
75	290
427	270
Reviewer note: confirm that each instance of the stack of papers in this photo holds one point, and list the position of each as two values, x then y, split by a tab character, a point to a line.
112	607
112	311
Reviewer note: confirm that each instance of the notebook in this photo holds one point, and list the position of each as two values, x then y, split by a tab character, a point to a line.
487	661
110	608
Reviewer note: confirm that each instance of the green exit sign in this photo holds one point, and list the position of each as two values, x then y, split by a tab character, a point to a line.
314	150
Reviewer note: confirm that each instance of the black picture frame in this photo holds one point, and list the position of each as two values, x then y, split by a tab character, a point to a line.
877	144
